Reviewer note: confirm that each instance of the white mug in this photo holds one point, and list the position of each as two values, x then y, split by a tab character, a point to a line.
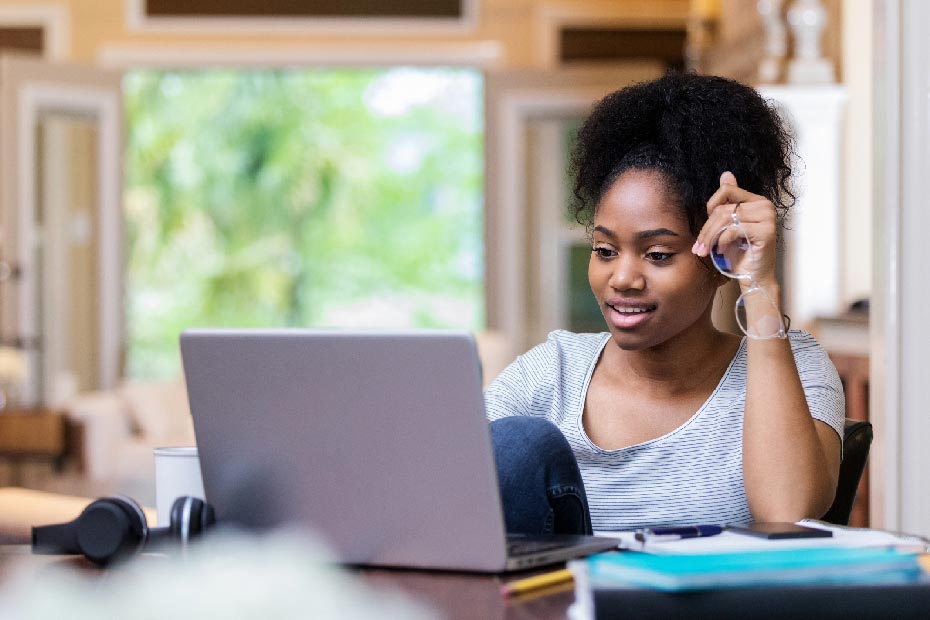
177	473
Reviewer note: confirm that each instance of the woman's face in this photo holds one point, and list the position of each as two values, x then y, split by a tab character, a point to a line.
648	284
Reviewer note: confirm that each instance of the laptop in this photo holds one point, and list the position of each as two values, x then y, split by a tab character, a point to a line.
377	441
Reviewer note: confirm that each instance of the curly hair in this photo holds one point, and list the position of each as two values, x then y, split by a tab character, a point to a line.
691	128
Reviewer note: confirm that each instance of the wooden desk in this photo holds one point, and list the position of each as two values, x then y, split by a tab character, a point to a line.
455	596
460	596
467	597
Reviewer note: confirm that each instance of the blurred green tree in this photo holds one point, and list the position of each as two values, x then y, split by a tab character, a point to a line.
300	198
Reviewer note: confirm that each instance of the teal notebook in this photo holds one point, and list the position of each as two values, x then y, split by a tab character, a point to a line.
827	565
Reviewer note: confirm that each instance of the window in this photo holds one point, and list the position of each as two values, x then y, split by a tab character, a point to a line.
337	197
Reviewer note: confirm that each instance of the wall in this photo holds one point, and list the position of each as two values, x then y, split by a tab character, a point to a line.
900	332
514	32
857	189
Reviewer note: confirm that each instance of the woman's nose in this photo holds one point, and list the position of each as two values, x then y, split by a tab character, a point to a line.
627	274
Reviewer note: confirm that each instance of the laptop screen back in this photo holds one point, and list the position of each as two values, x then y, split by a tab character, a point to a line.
377	441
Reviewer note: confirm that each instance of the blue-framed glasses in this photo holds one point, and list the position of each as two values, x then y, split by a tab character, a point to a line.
734	257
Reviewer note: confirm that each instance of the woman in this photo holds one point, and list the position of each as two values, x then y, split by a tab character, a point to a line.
664	419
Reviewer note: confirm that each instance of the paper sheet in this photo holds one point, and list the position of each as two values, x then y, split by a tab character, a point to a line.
729	542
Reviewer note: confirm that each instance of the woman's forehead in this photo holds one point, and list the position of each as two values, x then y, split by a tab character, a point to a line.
641	200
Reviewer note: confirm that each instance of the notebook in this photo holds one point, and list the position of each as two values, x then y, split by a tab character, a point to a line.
375	440
825	565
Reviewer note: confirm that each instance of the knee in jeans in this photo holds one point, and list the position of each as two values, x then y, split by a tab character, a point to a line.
526	429
531	447
569	515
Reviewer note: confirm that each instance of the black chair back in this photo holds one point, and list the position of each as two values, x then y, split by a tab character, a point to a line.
857	439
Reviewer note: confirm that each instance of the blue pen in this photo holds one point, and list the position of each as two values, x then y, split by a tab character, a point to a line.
657	534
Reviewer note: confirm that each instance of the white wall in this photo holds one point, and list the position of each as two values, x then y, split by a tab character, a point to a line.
857	163
900	363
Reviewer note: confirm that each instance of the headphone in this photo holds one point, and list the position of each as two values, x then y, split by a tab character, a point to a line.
113	527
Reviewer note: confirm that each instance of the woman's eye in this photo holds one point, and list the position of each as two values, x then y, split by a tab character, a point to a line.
603	253
659	257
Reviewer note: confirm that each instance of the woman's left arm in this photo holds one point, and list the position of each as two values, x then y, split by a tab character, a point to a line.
790	460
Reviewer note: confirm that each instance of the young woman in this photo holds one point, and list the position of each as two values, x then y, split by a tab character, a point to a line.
663	419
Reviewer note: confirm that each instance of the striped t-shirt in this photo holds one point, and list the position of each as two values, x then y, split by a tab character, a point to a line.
694	474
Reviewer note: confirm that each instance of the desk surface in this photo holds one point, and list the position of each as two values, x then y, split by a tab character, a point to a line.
473	596
478	596
453	595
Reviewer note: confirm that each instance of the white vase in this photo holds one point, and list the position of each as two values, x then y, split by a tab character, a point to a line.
807	20
776	41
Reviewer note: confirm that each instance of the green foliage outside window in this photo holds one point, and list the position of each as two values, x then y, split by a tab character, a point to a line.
300	198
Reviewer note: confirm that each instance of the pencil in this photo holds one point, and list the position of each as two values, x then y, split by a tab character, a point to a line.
530	584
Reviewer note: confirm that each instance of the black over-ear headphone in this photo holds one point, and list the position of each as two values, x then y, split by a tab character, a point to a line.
115	526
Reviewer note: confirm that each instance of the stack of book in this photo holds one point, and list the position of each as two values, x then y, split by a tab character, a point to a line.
681	573
765	581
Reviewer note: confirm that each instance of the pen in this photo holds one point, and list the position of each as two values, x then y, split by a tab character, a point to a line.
538	582
658	534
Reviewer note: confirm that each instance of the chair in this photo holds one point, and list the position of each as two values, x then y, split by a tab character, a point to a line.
857	438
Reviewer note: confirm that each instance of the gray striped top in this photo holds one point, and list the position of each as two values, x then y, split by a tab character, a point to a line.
692	475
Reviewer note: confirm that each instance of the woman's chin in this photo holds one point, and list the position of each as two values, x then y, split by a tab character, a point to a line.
630	341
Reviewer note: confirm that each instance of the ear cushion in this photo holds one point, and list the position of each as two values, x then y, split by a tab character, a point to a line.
207	517
190	516
110	527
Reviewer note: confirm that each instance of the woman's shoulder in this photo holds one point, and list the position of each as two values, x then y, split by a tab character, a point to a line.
529	384
801	340
804	347
565	338
810	356
574	346
563	351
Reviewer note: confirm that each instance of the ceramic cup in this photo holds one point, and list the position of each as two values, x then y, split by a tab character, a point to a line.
177	473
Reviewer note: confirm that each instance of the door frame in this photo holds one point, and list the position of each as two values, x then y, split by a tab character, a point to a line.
31	87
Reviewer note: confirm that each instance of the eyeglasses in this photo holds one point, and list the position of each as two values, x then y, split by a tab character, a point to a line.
734	257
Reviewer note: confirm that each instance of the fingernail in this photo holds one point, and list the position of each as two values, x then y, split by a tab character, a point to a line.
694	248
701	249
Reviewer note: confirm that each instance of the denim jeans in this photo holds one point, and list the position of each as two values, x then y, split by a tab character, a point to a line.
541	487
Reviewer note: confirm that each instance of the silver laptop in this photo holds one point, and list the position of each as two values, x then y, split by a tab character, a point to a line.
375	440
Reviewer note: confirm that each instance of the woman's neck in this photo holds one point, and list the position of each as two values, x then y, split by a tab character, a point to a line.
686	362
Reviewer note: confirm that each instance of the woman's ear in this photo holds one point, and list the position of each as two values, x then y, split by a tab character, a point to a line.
715	277
722	314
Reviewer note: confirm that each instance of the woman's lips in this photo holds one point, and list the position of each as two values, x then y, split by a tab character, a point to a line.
627	316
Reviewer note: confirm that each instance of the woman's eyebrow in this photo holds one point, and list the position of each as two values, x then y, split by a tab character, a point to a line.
657	232
605	231
645	234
